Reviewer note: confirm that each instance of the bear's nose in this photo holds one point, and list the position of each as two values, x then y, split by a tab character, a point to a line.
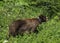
46	18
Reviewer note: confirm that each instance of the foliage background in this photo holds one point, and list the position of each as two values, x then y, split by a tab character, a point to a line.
11	10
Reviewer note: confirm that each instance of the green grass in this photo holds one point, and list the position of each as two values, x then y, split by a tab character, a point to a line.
49	32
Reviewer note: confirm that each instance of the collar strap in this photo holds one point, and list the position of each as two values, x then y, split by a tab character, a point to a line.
39	19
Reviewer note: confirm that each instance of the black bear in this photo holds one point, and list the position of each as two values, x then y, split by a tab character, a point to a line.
26	25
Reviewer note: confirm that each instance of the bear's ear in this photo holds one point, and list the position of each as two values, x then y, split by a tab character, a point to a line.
41	16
